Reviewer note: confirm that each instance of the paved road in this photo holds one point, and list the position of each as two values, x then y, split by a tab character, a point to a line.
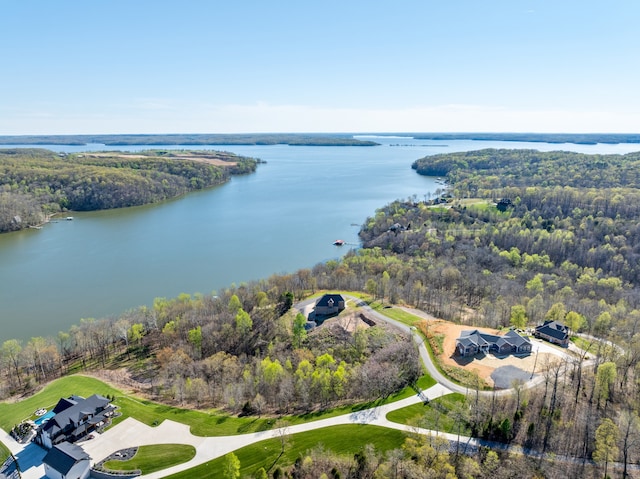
132	433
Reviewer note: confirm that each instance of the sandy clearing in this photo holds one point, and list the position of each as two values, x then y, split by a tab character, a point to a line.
484	365
199	159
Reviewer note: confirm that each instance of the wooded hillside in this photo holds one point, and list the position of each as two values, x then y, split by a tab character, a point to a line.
35	183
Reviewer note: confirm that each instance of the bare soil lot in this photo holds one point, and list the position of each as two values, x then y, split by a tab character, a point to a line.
484	365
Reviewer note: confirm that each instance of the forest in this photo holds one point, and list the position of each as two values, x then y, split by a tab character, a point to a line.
317	139
517	236
37	183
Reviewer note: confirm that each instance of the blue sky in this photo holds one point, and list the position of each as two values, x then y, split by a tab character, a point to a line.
196	66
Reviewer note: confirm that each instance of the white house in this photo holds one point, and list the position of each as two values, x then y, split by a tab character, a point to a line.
67	461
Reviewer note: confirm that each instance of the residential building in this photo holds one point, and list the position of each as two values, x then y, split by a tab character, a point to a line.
75	418
67	461
554	332
329	304
474	341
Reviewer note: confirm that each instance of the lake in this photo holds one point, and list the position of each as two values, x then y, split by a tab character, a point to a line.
282	218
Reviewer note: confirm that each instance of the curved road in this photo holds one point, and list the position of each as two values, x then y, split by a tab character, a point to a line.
132	433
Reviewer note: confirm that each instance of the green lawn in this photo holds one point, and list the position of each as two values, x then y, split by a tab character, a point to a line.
436	415
14	413
154	458
4	452
346	440
212	423
398	314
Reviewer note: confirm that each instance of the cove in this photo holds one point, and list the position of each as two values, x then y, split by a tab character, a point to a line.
282	218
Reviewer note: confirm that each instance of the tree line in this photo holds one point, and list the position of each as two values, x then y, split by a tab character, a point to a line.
36	183
554	251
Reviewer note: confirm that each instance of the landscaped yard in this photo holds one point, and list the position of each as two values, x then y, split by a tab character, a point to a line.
346	440
438	415
154	458
4	452
213	423
14	413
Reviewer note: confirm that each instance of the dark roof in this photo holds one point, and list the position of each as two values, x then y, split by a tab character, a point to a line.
473	337
74	414
554	329
64	403
62	457
324	301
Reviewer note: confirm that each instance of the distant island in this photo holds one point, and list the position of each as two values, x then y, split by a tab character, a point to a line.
310	139
37	183
576	138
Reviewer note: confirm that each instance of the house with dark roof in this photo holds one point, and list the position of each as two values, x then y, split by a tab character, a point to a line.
474	341
75	418
554	332
329	304
67	461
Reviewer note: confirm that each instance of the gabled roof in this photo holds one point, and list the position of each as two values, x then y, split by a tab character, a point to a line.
64	403
473	337
554	329
330	300
62	457
515	339
75	413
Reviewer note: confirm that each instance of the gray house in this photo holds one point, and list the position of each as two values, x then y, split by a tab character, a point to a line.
474	341
67	461
75	417
554	332
329	304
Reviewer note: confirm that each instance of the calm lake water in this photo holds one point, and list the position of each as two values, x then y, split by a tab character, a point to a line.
280	219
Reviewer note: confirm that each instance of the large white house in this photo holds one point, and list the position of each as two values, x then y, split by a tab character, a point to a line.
74	418
67	461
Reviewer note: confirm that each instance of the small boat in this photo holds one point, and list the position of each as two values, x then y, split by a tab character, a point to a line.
69	218
338	242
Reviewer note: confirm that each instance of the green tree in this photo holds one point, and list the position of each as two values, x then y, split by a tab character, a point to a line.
234	304
575	321
605	379
231	466
135	333
299	331
602	324
518	316
556	312
243	322
195	338
606	443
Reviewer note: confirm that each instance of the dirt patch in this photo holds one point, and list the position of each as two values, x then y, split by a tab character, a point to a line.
348	323
485	365
211	160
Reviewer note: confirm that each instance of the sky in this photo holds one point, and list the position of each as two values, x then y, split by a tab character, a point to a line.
212	66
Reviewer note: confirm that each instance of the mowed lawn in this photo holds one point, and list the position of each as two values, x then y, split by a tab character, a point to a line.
14	413
202	423
345	440
154	458
438	415
4	452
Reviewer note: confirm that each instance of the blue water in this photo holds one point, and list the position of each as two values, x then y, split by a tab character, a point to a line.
282	218
44	418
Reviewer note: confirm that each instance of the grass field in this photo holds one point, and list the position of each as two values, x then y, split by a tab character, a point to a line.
14	413
438	415
212	423
345	440
4	452
154	458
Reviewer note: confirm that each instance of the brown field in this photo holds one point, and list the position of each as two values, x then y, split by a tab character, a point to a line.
484	365
210	159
